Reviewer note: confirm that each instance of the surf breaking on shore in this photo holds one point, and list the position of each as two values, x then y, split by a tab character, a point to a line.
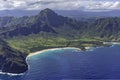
10	74
52	49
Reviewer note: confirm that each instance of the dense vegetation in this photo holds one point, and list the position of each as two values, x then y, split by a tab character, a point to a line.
48	23
49	30
34	43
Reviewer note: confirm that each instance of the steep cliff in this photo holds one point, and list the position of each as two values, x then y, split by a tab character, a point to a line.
11	60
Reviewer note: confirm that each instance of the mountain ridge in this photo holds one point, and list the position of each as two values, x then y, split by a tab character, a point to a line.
46	21
50	22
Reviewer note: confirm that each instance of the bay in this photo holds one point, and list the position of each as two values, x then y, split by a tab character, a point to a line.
71	64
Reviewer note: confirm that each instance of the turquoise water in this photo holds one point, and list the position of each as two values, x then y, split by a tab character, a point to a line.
70	64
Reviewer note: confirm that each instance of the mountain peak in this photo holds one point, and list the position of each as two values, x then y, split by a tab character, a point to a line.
47	12
49	17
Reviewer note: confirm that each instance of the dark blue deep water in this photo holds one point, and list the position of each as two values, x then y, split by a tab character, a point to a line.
70	64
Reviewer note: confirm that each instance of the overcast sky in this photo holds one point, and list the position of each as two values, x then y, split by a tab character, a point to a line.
87	5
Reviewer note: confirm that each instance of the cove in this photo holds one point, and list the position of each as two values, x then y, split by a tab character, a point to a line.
96	63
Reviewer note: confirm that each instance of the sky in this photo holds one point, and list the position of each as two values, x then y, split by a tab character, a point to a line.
85	5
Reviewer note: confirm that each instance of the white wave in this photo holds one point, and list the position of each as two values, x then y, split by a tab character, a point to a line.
11	74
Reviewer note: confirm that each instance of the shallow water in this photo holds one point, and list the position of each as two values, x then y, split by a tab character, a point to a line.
99	63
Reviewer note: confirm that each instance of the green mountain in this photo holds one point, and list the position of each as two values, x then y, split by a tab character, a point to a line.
49	30
105	28
46	21
49	23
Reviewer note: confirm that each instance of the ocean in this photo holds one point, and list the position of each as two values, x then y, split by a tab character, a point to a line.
71	64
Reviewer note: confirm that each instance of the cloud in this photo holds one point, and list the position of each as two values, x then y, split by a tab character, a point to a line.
87	5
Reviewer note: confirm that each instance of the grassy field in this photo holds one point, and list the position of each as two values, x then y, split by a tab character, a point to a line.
31	44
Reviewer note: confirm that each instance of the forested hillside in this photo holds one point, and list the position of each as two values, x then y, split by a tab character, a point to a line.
47	22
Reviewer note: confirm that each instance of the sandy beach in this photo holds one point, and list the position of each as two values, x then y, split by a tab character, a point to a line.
111	43
52	49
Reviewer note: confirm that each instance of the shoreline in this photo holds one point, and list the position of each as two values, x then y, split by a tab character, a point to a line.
35	53
45	50
51	49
